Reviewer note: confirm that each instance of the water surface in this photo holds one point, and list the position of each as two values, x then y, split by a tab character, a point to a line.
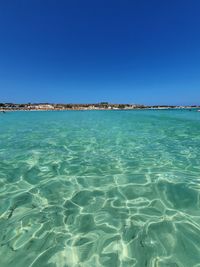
100	188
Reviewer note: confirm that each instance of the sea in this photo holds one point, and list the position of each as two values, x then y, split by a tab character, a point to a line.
100	188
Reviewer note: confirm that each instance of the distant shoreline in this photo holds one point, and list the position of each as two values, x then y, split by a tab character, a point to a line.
86	107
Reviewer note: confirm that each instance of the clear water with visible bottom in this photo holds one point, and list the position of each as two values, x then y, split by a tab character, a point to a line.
100	188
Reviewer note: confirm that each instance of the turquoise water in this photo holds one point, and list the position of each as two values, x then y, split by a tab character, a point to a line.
100	188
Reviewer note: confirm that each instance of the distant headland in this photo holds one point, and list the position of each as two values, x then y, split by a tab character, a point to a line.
96	106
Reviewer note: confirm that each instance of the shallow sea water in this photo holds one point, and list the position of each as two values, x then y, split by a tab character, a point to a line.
100	188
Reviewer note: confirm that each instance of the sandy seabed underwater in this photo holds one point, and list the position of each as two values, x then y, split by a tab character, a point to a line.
100	188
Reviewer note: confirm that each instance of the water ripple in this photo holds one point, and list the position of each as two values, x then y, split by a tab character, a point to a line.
104	188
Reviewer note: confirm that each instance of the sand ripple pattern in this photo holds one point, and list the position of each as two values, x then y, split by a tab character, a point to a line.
100	188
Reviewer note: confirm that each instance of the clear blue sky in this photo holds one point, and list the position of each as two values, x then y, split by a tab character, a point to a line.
133	51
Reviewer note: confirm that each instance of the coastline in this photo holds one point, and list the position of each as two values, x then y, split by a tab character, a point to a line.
5	107
53	110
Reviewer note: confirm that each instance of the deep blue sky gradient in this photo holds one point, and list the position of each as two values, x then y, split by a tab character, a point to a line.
144	52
